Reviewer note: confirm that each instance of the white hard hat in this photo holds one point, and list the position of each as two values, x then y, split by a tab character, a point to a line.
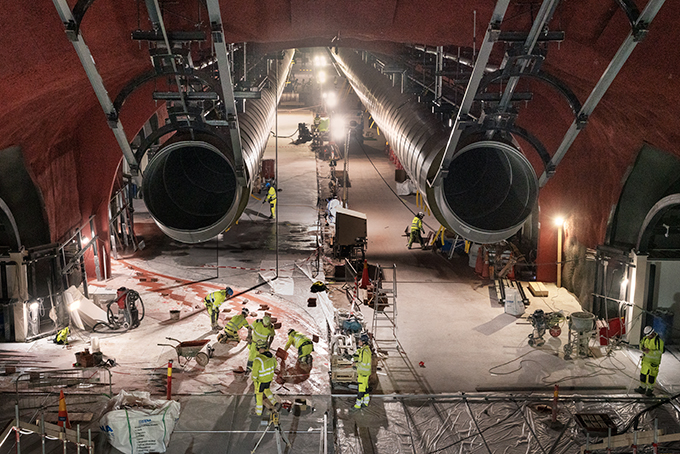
648	331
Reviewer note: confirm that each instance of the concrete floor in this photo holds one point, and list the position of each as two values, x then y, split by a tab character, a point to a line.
447	319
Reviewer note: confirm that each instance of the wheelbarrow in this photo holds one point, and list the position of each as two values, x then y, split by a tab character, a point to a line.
189	350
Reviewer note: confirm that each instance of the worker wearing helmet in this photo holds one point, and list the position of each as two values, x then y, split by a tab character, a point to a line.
304	345
263	373
232	328
363	365
652	347
416	229
271	198
263	330
213	301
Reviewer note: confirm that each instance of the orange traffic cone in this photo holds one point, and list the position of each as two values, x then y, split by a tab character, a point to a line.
63	414
364	276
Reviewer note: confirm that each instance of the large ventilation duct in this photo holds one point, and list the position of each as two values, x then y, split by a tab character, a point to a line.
190	186
490	187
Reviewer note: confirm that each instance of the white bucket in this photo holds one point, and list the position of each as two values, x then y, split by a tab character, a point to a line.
94	344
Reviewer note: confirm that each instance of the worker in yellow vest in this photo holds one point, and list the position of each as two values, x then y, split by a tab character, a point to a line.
263	374
304	345
416	229
362	364
213	301
62	336
271	198
232	328
263	330
652	348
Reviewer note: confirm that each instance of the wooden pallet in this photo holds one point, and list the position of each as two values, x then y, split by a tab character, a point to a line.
344	375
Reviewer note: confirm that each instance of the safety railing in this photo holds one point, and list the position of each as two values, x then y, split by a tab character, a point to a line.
88	380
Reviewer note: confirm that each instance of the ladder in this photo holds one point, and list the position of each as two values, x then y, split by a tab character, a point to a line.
384	325
403	377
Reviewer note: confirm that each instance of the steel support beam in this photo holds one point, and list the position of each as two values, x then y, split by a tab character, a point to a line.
227	85
96	81
438	79
602	85
462	119
543	17
156	17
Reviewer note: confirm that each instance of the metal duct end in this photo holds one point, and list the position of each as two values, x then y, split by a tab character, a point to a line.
190	188
490	190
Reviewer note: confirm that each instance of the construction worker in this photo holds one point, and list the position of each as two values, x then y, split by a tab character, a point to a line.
317	122
362	363
271	198
263	374
62	336
304	345
232	328
213	301
263	330
416	229
652	347
331	209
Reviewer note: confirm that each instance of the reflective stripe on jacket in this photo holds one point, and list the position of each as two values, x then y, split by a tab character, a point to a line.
271	195
655	347
236	323
299	340
416	224
62	335
261	332
215	299
263	367
362	358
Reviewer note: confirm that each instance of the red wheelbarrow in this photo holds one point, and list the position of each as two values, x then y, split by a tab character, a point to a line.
189	350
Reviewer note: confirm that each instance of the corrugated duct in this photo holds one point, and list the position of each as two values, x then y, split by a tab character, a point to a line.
490	187
190	186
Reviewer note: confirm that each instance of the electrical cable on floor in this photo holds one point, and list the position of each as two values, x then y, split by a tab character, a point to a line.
284	137
515	359
387	184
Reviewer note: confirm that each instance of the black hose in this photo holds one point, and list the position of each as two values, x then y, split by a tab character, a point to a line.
636	419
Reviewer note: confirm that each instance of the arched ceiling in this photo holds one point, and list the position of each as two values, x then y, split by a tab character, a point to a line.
48	108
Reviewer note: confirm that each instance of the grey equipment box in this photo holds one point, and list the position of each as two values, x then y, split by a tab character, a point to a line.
349	225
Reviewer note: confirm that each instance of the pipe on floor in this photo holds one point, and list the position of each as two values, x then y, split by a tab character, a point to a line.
190	185
491	187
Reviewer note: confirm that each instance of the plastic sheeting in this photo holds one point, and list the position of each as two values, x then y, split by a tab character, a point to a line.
483	424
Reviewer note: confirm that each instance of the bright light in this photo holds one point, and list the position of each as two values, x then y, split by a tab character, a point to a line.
34	306
86	240
319	60
331	99
559	221
338	129
74	306
321	76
